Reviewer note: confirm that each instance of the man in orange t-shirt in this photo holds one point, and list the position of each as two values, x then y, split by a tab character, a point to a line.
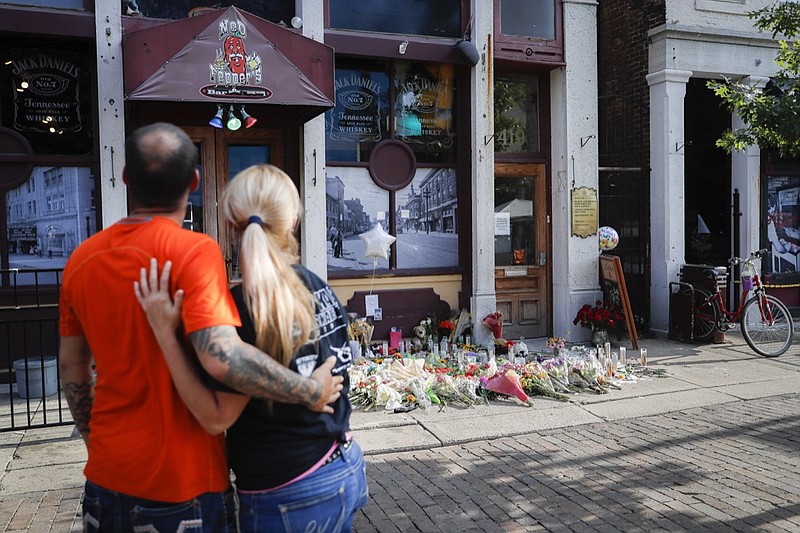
150	463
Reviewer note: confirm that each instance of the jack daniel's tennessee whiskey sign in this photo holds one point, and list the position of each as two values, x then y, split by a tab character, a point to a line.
45	91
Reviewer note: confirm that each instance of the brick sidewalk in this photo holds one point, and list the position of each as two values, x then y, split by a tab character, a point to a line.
728	467
40	512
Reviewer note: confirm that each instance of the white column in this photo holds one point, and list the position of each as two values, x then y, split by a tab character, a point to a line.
312	182
745	171
111	110
667	149
573	104
483	301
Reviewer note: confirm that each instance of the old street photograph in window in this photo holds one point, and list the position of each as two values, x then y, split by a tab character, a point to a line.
354	204
424	219
427	211
48	216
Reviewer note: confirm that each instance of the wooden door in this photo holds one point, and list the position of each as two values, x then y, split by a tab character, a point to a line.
522	250
222	154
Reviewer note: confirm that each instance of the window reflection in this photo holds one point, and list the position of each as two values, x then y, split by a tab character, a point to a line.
277	11
241	157
515	236
424	110
528	18
516	119
440	18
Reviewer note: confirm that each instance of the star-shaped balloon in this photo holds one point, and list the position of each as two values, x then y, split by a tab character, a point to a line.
377	242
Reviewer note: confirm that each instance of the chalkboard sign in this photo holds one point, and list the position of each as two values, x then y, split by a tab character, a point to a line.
612	281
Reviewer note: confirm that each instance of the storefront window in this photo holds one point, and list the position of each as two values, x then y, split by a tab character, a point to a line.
425	219
277	11
438	18
354	204
423	110
360	117
516	115
65	4
391	149
46	96
528	18
48	216
783	223
515	230
427	215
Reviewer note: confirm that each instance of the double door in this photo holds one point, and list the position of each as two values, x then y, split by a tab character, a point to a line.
222	154
522	248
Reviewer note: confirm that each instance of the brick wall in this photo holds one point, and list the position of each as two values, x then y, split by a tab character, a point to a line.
622	65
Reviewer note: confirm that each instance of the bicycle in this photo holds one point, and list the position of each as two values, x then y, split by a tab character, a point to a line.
766	323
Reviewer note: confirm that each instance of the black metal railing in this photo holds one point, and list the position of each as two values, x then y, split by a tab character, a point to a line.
30	388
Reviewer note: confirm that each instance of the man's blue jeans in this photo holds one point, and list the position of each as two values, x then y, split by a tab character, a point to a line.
109	511
325	501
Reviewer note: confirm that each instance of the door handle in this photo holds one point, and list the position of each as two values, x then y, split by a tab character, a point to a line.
542	258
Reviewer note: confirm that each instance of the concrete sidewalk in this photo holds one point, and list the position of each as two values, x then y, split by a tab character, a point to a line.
41	484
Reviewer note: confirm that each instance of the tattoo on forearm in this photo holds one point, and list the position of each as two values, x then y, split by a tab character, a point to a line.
80	398
253	372
212	341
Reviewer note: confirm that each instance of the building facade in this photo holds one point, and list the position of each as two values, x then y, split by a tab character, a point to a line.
463	127
700	204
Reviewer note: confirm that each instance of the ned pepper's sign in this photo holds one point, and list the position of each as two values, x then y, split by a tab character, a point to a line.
45	91
228	56
235	72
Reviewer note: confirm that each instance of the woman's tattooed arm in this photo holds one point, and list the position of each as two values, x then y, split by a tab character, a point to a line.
249	370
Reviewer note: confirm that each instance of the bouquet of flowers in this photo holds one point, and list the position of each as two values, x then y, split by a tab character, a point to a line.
558	371
601	316
536	381
446	327
556	343
494	322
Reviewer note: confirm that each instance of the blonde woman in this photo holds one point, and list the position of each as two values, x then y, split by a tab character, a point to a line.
295	469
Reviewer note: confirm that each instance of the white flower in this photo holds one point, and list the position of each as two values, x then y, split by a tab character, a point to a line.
386	395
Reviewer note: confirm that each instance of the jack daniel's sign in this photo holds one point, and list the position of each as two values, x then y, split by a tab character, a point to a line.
45	85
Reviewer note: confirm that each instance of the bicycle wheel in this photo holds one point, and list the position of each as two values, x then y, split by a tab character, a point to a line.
765	337
706	313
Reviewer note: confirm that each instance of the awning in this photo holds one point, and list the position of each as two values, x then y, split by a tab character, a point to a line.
227	56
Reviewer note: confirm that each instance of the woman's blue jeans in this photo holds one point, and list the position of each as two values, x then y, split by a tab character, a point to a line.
325	501
112	512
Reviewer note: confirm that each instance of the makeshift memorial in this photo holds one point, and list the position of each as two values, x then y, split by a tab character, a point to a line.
400	382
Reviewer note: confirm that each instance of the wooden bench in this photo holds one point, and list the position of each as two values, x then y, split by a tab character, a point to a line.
402	308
